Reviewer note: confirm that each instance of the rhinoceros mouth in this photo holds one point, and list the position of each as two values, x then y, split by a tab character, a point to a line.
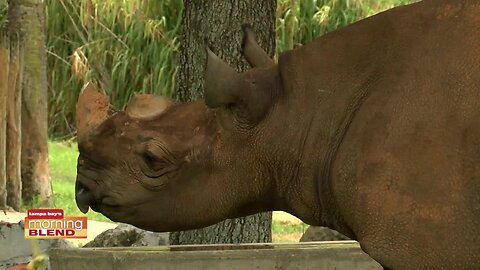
83	197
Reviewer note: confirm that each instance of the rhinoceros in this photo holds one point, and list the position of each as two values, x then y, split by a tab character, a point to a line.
372	130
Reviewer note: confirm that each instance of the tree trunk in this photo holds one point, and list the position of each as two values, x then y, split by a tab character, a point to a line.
219	22
4	60
14	108
29	19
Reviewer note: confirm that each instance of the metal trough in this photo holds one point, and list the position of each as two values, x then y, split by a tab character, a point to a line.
339	255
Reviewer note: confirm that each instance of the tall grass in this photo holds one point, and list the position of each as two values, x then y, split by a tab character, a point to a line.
3	14
129	46
301	21
125	46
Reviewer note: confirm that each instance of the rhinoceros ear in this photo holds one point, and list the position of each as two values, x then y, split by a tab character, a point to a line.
255	55
147	107
245	95
93	109
222	83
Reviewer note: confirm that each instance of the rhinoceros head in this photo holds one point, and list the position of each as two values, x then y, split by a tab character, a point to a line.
164	165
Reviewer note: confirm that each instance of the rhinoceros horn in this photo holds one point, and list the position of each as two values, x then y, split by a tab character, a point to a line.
93	109
255	55
147	107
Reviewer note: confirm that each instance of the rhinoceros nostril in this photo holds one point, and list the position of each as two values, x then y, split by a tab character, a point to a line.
83	198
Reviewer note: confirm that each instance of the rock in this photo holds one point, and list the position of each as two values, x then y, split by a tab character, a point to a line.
15	249
126	235
317	233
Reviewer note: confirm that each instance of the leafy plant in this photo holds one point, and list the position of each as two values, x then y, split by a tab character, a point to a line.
299	22
3	14
125	46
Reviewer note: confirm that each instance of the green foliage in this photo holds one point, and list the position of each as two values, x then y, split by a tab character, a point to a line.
129	46
279	227
126	47
3	14
299	22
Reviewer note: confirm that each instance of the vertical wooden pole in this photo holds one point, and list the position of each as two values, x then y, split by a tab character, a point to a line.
4	63
27	19
14	127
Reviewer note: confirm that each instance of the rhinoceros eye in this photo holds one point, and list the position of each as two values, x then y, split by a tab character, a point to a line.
155	160
149	159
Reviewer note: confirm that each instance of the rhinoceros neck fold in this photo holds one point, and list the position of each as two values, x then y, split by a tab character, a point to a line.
331	81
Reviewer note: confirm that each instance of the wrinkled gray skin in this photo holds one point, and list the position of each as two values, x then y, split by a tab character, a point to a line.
372	130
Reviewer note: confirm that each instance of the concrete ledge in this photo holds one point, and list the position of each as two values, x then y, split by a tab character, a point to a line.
341	255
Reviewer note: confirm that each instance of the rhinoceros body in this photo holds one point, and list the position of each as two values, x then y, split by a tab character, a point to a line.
372	130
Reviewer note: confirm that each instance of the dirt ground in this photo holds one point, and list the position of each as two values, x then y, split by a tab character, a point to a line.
94	228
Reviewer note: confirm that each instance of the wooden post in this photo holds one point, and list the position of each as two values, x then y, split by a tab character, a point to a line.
4	63
27	19
14	127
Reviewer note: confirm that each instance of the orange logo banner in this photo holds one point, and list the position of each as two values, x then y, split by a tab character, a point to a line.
51	223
